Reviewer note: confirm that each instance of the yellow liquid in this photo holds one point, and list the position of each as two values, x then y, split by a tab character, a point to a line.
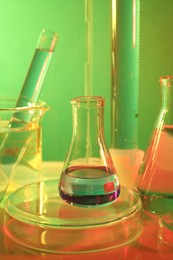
20	156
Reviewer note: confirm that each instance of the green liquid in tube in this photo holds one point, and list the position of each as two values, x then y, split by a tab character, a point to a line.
125	79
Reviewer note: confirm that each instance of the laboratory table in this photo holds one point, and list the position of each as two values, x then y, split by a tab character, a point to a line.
147	245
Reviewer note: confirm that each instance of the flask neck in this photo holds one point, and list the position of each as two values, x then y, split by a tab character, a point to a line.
88	116
167	98
166	112
88	140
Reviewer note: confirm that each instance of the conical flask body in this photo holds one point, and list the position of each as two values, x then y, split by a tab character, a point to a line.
155	178
89	177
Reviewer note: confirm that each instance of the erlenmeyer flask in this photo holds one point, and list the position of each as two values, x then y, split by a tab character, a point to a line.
155	179
89	177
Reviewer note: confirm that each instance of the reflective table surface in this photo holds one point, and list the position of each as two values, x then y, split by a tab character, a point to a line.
146	246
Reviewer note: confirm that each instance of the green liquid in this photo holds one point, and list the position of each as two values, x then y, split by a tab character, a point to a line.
126	78
158	203
33	83
36	74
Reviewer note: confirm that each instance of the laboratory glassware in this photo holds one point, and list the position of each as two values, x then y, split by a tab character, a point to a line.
21	152
154	182
37	70
61	228
125	73
33	82
125	89
165	230
88	87
21	122
88	176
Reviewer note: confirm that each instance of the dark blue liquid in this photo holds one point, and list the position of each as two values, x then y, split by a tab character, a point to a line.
82	185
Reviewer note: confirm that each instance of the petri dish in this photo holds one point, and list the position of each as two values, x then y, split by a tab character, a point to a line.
37	218
165	232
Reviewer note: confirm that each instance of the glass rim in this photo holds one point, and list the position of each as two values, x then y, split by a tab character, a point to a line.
166	80
39	105
165	231
88	99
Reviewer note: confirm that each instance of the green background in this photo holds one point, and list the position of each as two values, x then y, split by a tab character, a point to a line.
21	22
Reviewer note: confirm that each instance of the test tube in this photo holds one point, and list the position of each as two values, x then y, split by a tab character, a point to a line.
37	71
38	68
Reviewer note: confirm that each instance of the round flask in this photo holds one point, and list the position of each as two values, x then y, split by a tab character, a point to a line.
89	177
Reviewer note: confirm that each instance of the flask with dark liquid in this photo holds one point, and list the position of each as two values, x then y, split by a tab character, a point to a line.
89	177
155	179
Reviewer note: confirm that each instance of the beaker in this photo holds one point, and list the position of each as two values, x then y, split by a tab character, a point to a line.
20	144
154	181
89	176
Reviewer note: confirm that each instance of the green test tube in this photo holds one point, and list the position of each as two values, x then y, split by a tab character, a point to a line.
38	68
37	71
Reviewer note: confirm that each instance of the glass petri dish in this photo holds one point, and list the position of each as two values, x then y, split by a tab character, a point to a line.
165	231
37	218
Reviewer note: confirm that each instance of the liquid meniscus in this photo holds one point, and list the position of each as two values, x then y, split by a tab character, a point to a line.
89	185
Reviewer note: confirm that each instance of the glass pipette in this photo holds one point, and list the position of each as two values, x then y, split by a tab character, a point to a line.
89	47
